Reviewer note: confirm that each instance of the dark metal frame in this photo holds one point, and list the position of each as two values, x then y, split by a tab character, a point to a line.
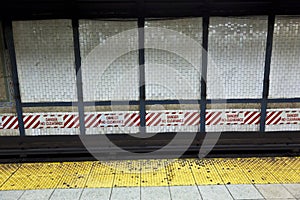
8	33
142	102
266	84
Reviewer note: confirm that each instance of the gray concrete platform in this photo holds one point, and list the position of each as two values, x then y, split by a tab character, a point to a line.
210	192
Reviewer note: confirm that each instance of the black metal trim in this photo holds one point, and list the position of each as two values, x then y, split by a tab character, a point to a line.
48	104
142	83
280	100
75	26
165	102
11	48
109	103
232	101
162	102
37	9
205	32
264	102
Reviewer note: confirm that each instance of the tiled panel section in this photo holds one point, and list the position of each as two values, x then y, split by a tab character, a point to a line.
283	120
38	124
173	58
232	120
45	58
236	57
109	60
160	129
3	82
7	106
53	131
285	64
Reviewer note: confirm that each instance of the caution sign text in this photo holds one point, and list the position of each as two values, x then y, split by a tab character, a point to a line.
232	118
172	119
51	121
290	117
112	120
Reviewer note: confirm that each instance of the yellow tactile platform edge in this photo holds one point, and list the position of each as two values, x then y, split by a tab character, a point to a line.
135	173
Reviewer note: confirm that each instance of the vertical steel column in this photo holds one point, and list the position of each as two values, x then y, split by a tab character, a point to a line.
8	33
265	94
142	86
205	27
75	25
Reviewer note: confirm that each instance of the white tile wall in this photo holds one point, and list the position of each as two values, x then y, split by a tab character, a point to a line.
53	131
45	59
285	64
9	132
236	57
110	60
173	58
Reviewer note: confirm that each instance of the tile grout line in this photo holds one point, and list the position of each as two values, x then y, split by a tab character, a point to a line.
259	191
21	195
223	181
84	186
112	187
56	187
188	161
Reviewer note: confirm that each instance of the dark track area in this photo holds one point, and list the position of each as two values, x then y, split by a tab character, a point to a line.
71	148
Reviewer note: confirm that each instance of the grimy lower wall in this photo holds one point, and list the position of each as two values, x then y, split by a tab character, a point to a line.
110	70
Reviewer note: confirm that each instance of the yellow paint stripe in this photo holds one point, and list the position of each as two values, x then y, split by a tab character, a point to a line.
134	173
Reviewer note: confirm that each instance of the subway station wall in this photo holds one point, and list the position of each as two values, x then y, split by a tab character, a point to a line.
110	71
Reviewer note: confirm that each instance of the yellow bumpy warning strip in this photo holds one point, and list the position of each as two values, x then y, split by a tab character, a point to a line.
136	173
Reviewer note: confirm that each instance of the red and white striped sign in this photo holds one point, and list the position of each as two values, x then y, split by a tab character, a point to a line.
275	117
232	117
112	120
173	118
153	118
9	122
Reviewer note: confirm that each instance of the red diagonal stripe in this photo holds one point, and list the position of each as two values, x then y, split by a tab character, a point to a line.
195	119
254	119
33	121
190	117
13	123
215	117
274	118
153	120
249	117
209	116
135	120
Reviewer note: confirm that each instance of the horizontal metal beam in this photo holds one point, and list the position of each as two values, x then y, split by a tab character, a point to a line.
37	9
162	102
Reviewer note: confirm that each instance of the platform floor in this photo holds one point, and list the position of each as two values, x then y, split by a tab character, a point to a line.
215	178
208	192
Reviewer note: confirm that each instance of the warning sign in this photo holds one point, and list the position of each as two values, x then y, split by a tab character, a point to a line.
1	125
172	119
51	121
290	117
232	118
112	119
